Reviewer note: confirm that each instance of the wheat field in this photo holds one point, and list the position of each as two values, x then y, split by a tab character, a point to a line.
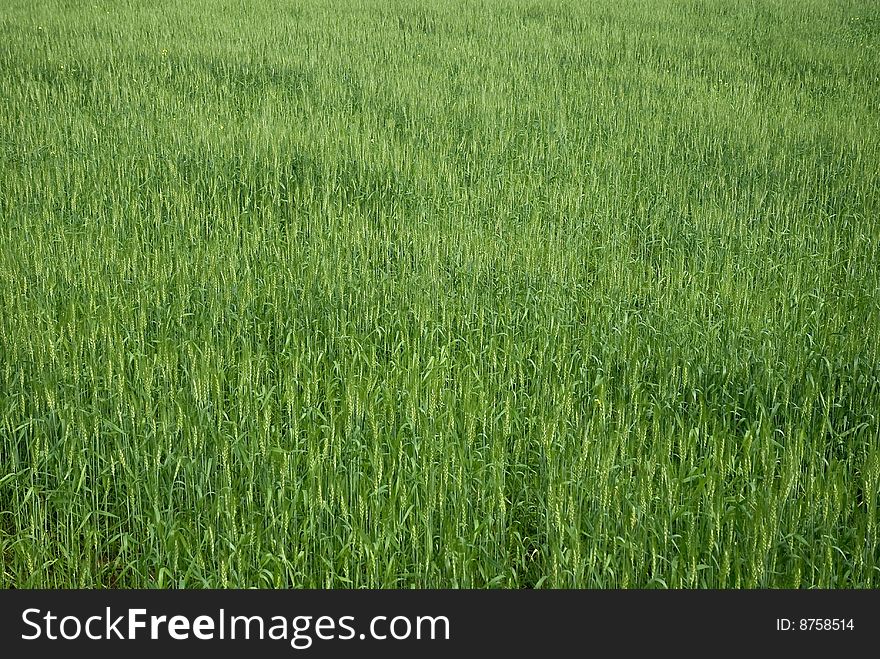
393	294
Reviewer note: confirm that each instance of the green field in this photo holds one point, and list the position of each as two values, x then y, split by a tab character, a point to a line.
440	294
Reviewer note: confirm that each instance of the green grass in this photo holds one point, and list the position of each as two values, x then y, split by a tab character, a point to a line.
449	294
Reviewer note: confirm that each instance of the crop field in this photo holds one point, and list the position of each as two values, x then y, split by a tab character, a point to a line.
397	293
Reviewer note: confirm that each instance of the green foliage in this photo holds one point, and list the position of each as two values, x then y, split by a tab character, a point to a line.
453	294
